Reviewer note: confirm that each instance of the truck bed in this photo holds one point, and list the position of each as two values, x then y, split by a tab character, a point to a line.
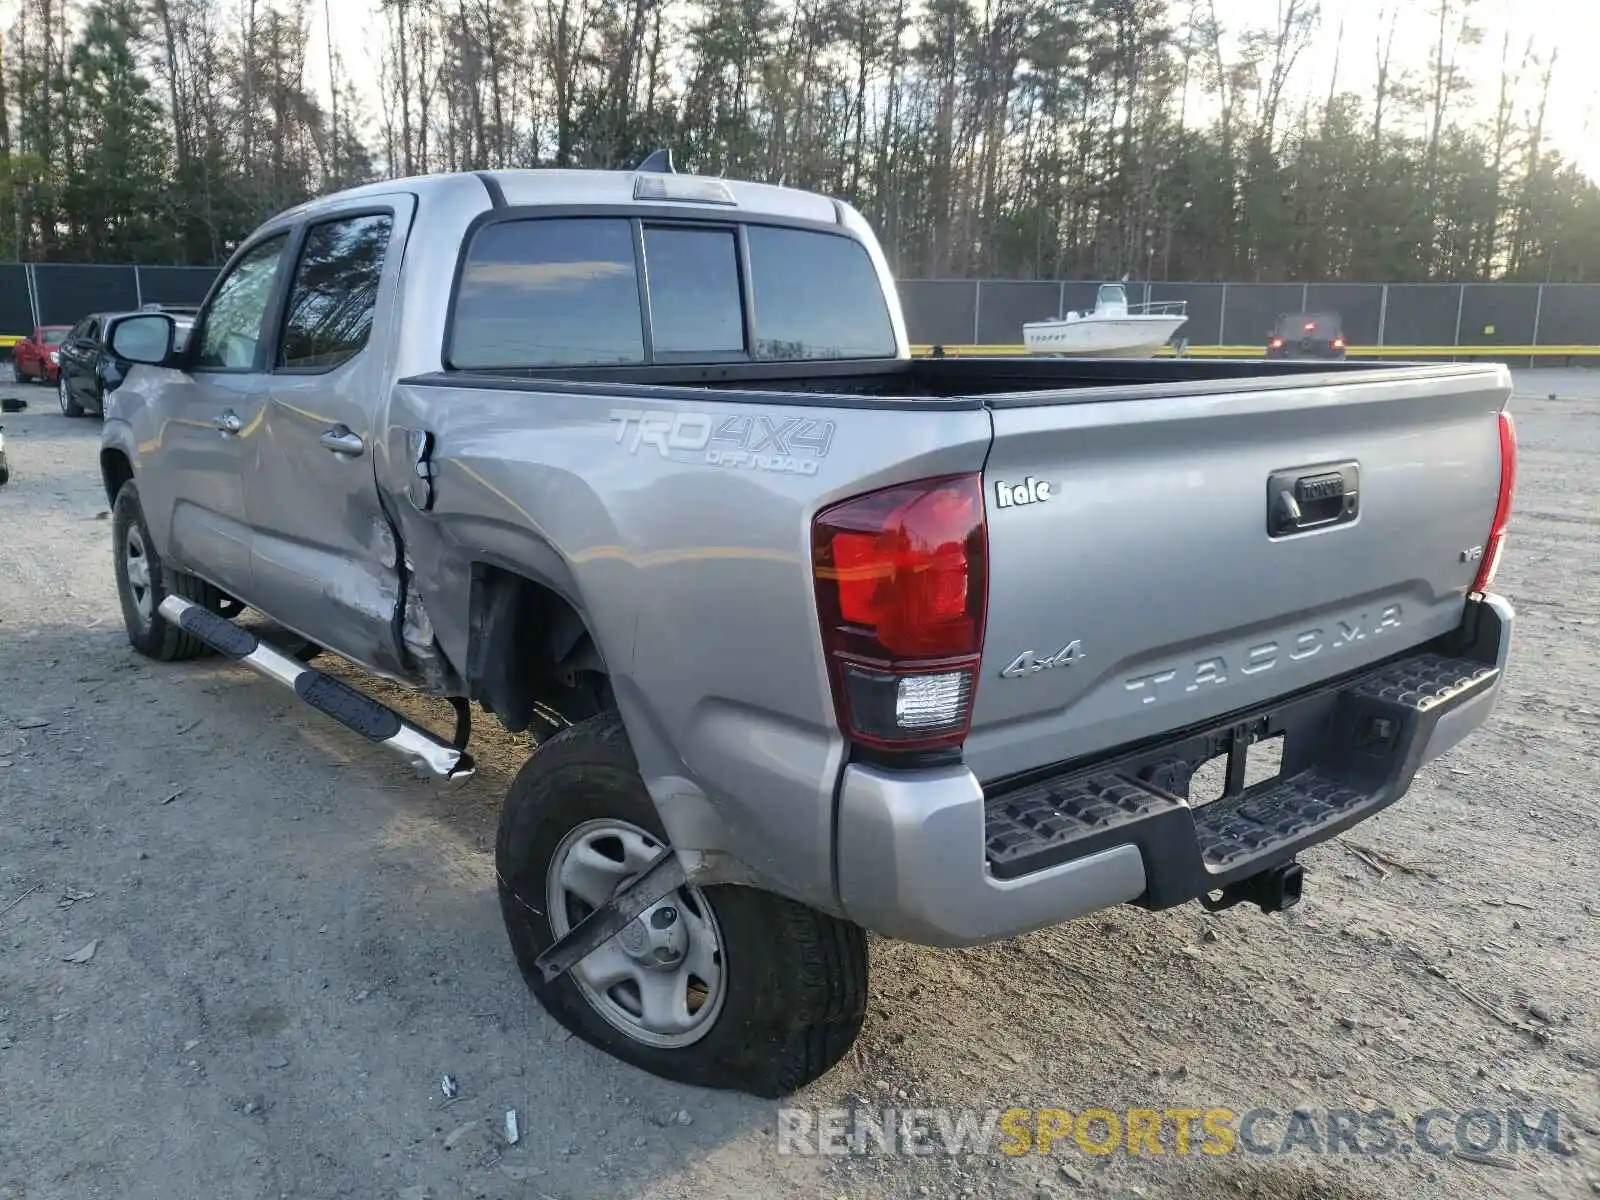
1156	552
952	382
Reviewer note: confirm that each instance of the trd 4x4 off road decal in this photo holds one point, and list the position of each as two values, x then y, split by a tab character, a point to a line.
789	445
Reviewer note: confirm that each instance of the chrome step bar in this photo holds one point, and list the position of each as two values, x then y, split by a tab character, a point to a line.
354	710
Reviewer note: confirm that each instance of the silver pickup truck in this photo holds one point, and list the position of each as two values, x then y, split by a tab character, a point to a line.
816	638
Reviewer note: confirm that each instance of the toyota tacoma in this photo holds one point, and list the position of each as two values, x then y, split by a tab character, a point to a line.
815	637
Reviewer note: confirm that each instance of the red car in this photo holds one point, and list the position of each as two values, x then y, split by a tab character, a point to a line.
35	357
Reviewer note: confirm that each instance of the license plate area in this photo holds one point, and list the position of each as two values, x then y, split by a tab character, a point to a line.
1224	761
1262	762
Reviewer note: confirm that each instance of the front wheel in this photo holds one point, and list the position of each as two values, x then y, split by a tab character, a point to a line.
721	987
69	406
143	581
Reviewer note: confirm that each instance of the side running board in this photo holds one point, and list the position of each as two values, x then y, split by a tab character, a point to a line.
373	721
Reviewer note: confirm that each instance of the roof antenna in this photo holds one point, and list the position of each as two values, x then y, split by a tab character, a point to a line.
659	161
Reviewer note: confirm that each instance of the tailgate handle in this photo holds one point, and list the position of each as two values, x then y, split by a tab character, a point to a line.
1301	499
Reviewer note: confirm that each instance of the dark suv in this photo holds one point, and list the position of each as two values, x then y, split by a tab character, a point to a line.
1307	335
89	370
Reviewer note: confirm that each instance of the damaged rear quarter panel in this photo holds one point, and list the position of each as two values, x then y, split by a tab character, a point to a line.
680	529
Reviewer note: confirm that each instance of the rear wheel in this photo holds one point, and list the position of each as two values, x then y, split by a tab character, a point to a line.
723	987
69	406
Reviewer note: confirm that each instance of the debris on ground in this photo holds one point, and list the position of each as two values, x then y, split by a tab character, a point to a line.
20	899
513	1134
84	955
449	1087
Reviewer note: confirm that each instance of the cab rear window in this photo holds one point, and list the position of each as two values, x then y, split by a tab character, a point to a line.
546	292
549	293
816	296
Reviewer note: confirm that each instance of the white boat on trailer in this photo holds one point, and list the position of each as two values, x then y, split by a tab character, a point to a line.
1115	329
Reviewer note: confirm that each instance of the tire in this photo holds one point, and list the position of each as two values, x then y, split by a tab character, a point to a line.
69	406
141	592
792	981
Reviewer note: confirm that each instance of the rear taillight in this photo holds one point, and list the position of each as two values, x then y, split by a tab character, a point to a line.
1276	344
902	585
1493	548
1338	343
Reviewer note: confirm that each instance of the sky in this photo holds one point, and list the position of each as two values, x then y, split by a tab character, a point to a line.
1573	119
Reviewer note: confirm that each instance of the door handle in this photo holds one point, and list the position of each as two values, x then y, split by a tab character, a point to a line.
228	423
341	441
1307	498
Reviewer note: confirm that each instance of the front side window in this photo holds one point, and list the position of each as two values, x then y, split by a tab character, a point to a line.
53	337
335	292
237	313
549	293
816	296
694	291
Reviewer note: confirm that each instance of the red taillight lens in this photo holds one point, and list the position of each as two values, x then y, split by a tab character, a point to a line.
1338	343
1502	509
902	585
1277	344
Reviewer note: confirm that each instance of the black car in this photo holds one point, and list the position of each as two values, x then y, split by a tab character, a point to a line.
89	370
1307	335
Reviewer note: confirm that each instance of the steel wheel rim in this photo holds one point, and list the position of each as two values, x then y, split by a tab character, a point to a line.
626	981
136	567
61	393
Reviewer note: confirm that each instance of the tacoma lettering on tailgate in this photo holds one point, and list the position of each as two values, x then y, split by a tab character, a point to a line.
1219	669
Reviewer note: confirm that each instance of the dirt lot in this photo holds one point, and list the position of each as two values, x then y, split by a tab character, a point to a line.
294	939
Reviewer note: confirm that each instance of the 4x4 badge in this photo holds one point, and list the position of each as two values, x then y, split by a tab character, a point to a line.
1028	663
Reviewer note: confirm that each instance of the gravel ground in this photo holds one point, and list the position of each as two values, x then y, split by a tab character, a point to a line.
294	938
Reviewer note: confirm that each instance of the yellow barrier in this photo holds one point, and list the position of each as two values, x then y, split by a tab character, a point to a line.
1411	352
7	342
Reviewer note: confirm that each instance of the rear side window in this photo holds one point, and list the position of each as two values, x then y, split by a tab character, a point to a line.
551	292
694	291
335	292
816	296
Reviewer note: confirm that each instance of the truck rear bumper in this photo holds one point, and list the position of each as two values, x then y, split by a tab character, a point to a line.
928	856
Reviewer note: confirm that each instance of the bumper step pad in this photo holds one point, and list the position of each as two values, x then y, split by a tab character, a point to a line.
1350	750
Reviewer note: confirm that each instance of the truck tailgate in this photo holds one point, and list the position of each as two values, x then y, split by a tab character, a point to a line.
1146	571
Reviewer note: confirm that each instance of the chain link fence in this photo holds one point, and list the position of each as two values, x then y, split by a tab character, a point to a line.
969	312
992	312
33	294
